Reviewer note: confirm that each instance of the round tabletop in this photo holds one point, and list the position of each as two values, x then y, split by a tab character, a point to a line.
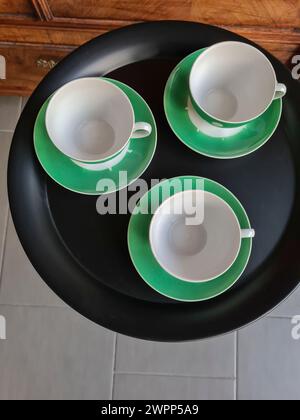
83	256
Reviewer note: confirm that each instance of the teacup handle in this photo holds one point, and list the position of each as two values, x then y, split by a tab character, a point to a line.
280	91
247	233
141	130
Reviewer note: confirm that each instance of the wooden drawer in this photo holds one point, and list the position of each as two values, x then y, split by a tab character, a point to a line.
125	10
36	33
26	66
17	9
273	13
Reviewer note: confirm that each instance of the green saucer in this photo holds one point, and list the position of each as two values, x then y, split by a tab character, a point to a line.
212	142
149	269
70	175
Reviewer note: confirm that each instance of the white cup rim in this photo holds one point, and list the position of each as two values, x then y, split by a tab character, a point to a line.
151	240
216	46
60	90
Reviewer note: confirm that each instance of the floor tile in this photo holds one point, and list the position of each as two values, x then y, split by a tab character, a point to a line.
24	101
156	387
268	361
21	284
209	358
9	112
54	353
5	141
290	307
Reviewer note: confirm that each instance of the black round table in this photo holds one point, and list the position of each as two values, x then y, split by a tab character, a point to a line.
83	256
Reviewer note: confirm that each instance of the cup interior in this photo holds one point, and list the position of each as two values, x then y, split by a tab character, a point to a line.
89	119
233	82
195	236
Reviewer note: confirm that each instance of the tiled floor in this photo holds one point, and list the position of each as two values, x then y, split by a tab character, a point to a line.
51	352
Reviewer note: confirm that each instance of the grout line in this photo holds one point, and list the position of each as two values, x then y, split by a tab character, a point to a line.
237	366
175	375
279	317
113	367
6	131
3	243
21	305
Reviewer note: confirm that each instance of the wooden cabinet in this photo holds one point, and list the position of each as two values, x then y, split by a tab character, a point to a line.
25	66
16	9
125	10
35	34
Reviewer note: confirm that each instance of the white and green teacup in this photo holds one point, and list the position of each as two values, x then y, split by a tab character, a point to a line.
91	120
232	83
196	236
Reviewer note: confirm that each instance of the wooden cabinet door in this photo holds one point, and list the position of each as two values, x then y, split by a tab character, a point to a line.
261	13
17	9
91	11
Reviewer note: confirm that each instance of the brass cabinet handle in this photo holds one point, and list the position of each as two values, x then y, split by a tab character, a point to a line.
46	64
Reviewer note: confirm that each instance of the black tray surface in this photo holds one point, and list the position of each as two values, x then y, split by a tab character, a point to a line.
84	257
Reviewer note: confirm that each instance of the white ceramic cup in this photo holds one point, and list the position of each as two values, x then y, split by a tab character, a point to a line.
232	83
196	252
92	120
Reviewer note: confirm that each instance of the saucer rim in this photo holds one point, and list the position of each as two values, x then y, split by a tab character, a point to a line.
121	85
211	155
193	284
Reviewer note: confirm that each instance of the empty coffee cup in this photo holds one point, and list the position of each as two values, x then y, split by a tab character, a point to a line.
92	120
195	236
232	83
